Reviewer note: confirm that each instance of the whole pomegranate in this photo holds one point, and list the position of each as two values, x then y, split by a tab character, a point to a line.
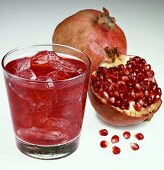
123	89
91	31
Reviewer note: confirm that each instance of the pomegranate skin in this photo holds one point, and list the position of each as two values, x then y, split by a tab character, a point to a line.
83	31
113	116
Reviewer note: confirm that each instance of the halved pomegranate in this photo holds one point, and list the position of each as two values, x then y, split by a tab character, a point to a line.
123	89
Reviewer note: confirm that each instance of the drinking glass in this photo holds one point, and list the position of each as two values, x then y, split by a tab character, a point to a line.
46	115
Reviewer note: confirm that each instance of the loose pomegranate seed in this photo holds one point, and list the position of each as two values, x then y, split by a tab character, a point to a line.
134	146
116	150
103	132
104	144
139	136
126	134
115	139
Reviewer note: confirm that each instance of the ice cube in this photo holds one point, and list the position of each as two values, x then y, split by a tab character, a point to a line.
63	65
22	64
27	74
58	75
53	56
40	58
48	81
43	57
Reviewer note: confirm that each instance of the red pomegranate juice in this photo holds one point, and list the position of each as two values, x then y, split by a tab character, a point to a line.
47	95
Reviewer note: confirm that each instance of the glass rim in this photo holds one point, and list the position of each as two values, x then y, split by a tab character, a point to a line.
40	45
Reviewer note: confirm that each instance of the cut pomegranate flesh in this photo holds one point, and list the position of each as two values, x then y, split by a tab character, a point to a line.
126	85
103	132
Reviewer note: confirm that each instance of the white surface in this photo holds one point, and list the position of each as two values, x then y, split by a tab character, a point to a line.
30	22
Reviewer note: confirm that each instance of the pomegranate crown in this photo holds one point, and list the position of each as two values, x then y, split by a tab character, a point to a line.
105	18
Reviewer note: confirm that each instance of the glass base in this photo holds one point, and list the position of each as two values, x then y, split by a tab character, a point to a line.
48	152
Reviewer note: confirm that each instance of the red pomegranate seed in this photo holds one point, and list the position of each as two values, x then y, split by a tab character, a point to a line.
137	106
103	70
140	77
104	144
121	83
125	78
139	94
117	103
146	84
121	67
142	61
139	136
132	81
116	94
134	146
126	134
115	139
138	87
159	91
103	132
147	67
132	95
136	58
125	72
153	86
111	100
156	98
104	94
149	74
116	150
114	86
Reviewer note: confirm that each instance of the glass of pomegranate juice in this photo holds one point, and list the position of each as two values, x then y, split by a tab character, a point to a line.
47	88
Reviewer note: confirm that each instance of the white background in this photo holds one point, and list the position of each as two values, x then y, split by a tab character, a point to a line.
30	22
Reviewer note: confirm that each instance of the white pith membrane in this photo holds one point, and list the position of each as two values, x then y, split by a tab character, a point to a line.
122	59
